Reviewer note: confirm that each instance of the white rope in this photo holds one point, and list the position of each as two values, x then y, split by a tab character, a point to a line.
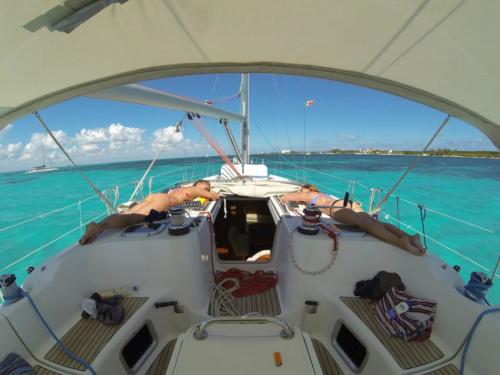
97	191
412	165
46	214
456	252
49	243
221	299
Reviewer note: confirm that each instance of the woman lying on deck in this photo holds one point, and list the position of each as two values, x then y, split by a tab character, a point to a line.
353	215
159	202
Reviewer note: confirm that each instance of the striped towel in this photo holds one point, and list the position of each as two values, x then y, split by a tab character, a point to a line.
402	315
13	364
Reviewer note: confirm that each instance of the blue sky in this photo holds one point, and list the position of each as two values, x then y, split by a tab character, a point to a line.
343	116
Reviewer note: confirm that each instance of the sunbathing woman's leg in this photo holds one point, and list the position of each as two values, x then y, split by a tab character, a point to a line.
114	221
414	239
374	228
136	214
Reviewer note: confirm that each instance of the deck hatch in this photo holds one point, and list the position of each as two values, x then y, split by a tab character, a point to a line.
136	350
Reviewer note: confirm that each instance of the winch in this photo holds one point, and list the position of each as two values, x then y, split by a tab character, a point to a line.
179	221
310	221
10	291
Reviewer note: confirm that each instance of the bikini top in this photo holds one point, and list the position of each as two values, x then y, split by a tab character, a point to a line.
315	199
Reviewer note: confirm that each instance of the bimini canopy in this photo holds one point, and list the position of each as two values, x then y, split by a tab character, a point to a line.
442	53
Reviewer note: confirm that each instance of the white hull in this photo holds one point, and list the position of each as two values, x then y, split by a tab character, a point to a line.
44	170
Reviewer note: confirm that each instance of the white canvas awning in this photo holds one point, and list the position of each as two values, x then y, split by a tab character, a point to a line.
441	53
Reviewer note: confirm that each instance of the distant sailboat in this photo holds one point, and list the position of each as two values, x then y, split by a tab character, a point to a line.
42	168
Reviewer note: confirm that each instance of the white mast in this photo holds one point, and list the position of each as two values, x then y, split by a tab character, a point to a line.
244	97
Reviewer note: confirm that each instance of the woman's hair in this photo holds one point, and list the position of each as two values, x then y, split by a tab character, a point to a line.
201	182
311	187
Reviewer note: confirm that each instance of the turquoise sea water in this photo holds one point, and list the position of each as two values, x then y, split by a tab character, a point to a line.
468	189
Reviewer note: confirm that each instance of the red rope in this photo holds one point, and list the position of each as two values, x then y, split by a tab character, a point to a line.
250	283
330	234
328	231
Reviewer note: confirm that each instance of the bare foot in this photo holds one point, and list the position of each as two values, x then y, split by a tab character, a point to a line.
415	241
91	232
408	246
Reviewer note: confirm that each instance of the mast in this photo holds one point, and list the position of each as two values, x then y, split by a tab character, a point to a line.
244	90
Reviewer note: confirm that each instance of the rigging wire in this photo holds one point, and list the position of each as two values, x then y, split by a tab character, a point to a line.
368	188
141	181
304	140
412	165
97	191
201	127
279	96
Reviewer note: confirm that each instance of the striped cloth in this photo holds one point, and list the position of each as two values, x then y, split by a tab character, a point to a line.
402	315
13	364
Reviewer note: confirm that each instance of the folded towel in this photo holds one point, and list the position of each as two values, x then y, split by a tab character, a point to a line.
405	316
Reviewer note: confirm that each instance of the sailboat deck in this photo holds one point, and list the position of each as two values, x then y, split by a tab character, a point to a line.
408	354
265	303
88	337
160	364
39	370
326	361
446	370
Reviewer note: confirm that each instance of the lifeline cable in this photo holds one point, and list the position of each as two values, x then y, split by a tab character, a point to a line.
201	127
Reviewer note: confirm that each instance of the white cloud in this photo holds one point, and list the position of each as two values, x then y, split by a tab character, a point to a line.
166	137
115	137
43	144
115	142
11	151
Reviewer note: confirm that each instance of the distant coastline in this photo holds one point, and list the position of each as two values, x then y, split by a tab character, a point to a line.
437	152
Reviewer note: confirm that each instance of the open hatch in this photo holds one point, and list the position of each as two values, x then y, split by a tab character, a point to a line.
244	229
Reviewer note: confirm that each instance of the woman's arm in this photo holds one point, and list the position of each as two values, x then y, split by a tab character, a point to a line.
298	196
197	192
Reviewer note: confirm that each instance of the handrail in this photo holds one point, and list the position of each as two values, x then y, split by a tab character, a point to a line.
287	332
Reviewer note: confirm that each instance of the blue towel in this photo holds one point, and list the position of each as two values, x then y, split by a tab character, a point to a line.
13	364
